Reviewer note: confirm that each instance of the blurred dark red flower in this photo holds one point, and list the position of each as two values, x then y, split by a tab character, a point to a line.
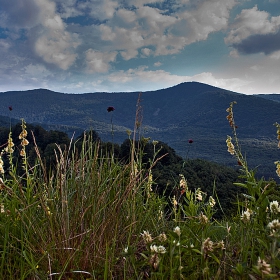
10	108
110	109
190	141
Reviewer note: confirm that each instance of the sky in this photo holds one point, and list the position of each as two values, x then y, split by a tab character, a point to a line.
80	46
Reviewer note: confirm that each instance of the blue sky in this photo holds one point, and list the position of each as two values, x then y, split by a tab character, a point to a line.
79	46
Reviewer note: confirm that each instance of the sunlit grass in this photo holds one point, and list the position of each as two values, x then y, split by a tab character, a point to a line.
95	217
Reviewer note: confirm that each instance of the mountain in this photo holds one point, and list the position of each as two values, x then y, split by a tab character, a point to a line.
173	115
272	96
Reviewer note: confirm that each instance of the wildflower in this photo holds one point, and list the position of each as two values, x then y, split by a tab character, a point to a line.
212	201
126	250
150	181
23	134
155	142
207	245
277	167
176	243
230	146
230	114
198	194
2	185
158	249
147	236
274	227
2	208
228	228
162	237
161	249
153	248
24	142
278	133
183	183
49	213
160	214
22	153
174	201
263	267
245	216
203	219
220	245
1	166
177	230
9	148
110	109
274	207
154	261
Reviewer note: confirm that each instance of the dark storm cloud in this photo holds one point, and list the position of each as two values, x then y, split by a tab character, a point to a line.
266	43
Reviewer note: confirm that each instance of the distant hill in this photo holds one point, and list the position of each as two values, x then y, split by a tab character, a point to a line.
273	96
173	115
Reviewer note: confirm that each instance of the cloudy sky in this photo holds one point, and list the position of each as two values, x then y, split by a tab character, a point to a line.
81	46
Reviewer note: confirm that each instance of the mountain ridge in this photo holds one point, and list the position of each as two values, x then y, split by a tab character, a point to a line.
172	115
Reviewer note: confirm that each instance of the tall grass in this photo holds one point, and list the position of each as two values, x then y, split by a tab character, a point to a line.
94	217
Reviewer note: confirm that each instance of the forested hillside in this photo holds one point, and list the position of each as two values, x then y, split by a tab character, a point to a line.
212	178
174	115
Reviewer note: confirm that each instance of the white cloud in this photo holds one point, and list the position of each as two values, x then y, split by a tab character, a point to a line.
38	71
55	45
101	10
146	51
99	62
145	26
157	64
107	33
162	79
251	22
275	55
126	16
57	48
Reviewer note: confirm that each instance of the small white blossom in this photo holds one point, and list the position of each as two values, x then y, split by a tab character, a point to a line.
203	219
212	201
198	194
162	237
274	207
274	227
158	249
263	266
147	236
207	245
161	249
177	230
245	216
153	248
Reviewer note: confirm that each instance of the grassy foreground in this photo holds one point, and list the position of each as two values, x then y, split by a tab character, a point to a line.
93	217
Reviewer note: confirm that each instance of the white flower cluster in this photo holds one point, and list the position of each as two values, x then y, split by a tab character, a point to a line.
147	236
158	249
274	207
246	215
177	230
274	228
212	201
